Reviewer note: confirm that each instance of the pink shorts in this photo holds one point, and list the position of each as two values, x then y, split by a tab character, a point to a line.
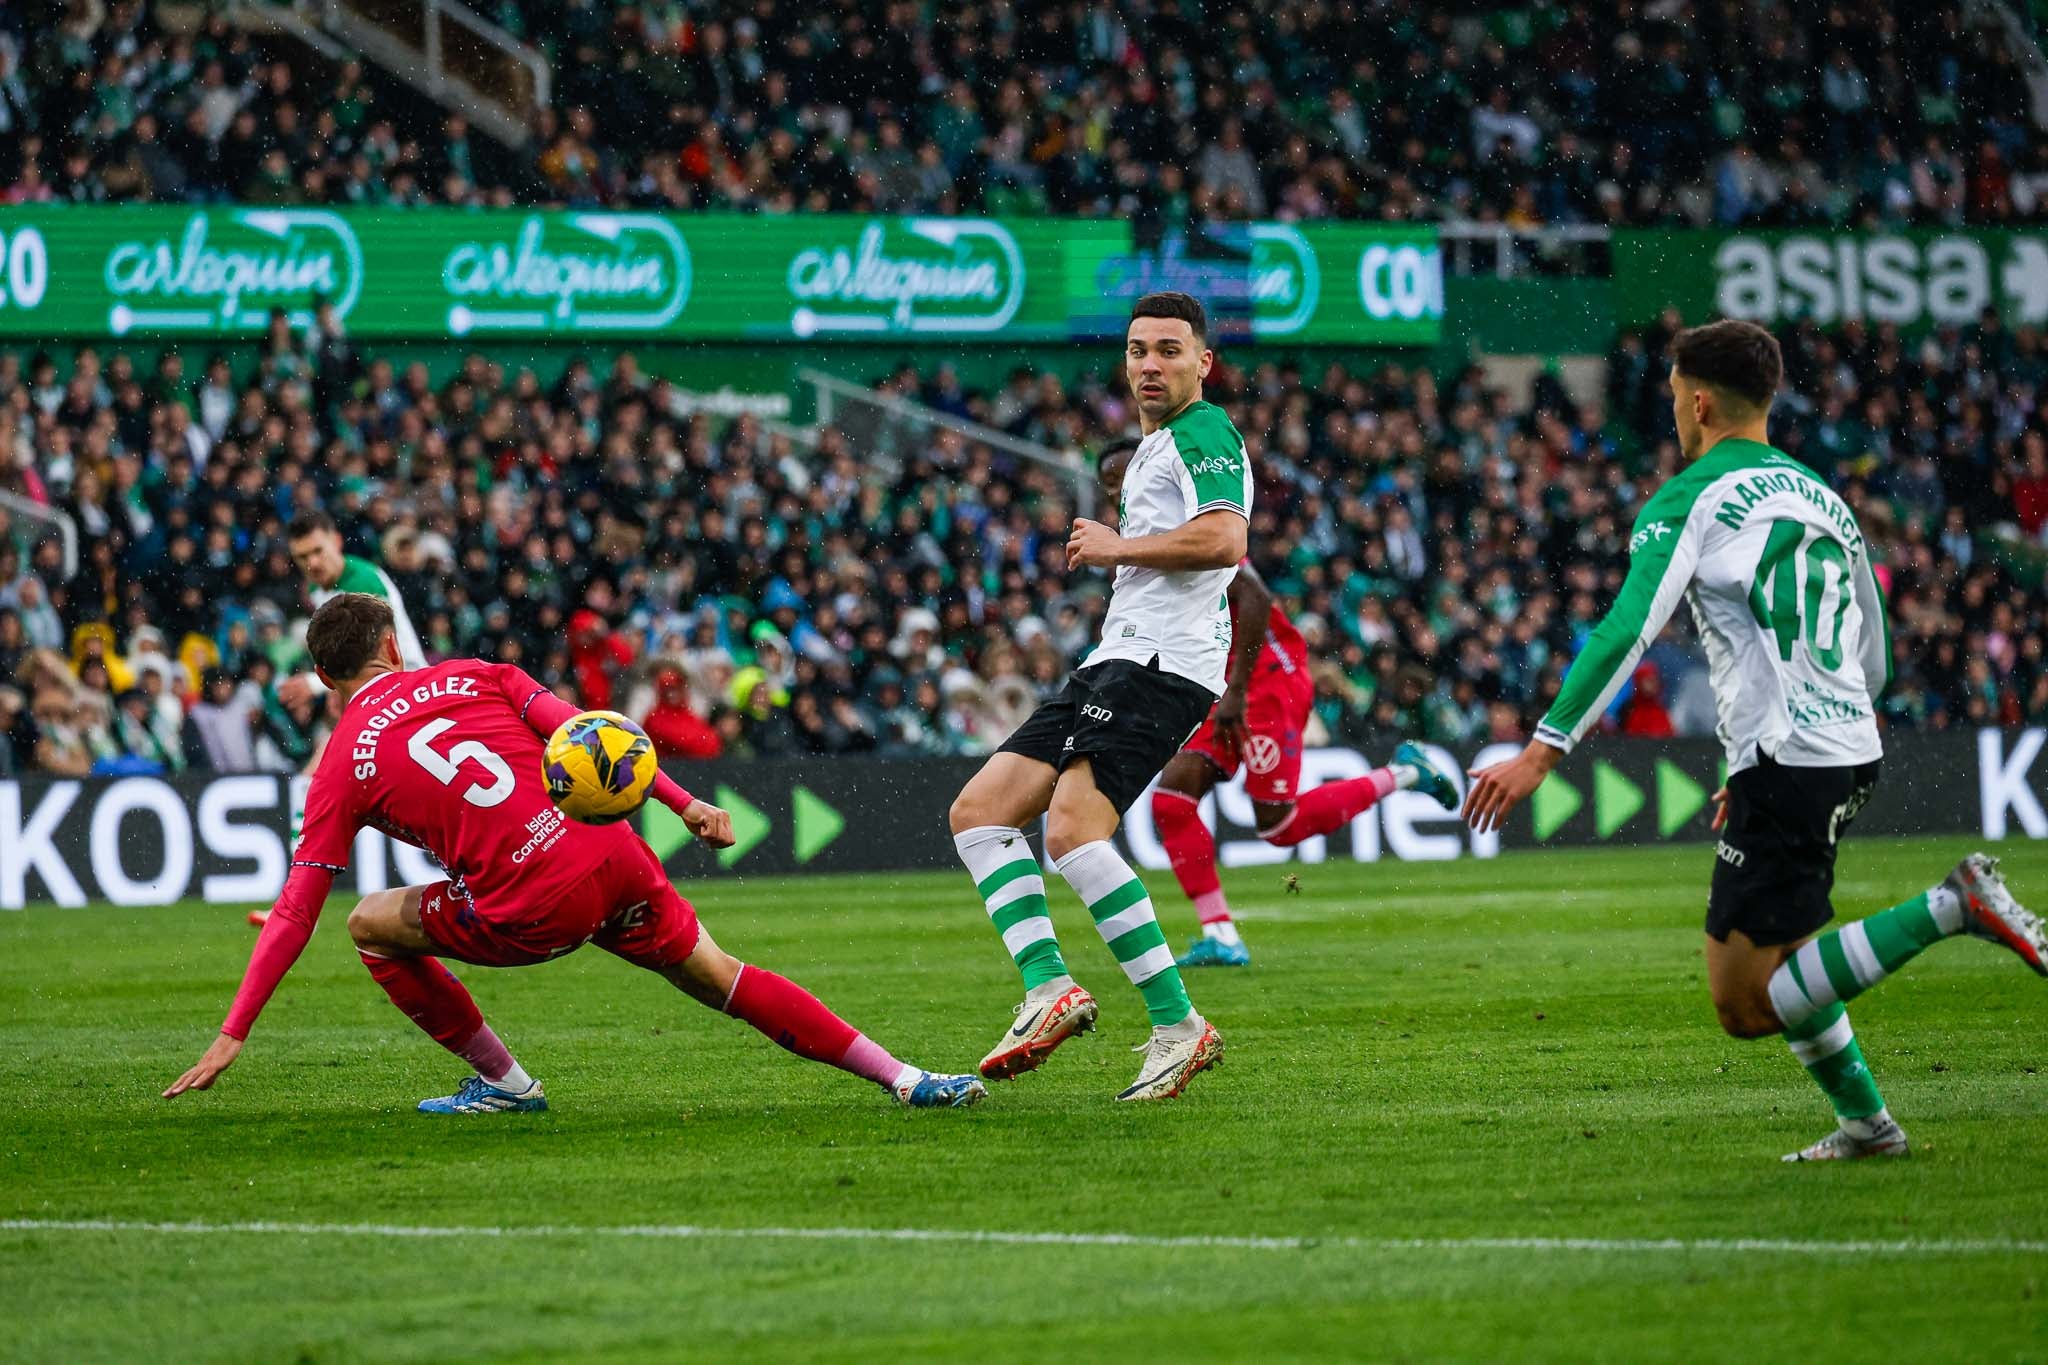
628	906
1275	710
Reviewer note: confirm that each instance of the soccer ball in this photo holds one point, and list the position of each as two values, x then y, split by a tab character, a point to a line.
599	766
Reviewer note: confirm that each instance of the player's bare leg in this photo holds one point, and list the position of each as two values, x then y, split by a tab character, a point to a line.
1077	833
400	957
988	819
1814	979
1739	974
798	1021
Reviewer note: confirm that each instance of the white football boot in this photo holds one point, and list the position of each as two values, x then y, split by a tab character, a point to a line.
1173	1055
1046	1019
1990	912
1885	1139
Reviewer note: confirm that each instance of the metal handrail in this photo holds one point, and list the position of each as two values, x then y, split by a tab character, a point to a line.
1515	248
497	37
2020	41
67	529
1072	465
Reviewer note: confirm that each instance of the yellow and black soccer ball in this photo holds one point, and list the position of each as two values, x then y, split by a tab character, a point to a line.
599	767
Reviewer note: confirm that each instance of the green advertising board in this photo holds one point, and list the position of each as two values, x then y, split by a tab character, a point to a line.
161	271
1916	278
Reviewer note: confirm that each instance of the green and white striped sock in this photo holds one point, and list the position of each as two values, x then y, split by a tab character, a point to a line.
999	859
1123	916
1841	964
1826	1046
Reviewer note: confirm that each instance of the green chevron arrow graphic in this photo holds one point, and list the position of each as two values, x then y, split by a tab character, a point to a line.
1555	802
663	829
1615	799
1679	798
817	824
749	825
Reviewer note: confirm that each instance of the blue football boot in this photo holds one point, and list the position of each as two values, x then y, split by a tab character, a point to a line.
931	1090
478	1096
1432	781
1214	952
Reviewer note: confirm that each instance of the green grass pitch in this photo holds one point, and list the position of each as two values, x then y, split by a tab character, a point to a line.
1515	1049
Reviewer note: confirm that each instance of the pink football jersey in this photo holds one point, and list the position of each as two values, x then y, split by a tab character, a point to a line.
443	757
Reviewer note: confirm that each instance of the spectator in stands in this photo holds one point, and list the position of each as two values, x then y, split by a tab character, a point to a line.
790	109
674	725
226	719
1643	714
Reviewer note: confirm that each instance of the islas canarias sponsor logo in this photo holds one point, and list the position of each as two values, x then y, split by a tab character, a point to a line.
930	275
226	271
608	272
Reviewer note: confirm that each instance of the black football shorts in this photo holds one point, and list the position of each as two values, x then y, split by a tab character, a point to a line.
1774	869
1127	719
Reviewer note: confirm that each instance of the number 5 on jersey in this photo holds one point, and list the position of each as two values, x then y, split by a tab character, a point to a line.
445	768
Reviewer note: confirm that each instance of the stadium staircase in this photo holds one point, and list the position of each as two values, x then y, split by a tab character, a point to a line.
440	48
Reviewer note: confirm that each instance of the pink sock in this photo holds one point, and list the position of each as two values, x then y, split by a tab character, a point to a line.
1213	909
1189	845
798	1021
491	1058
1330	806
866	1057
432	998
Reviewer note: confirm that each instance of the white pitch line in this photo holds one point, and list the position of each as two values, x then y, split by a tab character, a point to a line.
1984	1246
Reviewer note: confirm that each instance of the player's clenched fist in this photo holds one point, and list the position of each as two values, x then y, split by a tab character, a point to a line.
709	823
1093	545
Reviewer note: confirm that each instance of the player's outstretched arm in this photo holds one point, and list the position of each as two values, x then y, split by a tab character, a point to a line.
1213	540
544	712
285	935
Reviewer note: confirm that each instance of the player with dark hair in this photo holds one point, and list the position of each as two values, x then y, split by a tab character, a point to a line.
1257	724
1085	756
316	548
1787	605
450	758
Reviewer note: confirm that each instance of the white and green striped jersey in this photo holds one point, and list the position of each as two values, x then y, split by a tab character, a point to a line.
360	575
1785	600
1194	463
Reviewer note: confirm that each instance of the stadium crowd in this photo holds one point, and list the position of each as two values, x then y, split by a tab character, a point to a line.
1538	112
1445	547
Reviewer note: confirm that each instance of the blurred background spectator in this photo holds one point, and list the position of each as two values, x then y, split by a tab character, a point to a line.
1544	111
1445	549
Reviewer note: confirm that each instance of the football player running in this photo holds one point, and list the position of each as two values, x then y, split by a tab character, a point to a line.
1787	605
316	548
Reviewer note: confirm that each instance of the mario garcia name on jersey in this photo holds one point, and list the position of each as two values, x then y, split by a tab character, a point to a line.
1785	600
1194	463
